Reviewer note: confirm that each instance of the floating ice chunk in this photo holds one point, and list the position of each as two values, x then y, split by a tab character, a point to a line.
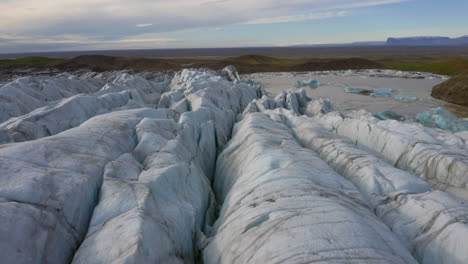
310	83
393	90
443	119
380	94
364	74
386	115
343	108
405	98
362	91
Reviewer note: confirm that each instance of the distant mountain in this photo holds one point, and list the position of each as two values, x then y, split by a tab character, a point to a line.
366	43
428	41
408	41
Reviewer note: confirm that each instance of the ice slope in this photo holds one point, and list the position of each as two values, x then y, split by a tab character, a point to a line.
50	186
283	204
28	93
161	202
119	91
439	157
161	190
124	181
432	224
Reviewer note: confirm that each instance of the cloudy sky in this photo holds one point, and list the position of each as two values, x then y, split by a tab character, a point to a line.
48	25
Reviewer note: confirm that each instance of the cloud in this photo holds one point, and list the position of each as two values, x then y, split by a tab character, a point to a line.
114	20
296	18
144	25
371	3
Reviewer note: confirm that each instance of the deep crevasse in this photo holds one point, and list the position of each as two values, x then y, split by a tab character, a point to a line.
164	204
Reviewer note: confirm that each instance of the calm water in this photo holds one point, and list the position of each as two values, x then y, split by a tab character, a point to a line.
333	86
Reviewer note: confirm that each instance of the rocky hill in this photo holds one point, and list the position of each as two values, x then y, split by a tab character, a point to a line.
455	90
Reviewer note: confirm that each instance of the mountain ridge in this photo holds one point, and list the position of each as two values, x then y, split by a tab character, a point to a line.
428	41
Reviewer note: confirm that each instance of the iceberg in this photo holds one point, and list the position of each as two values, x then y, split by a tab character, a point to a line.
405	98
362	91
389	115
309	83
393	90
343	108
380	94
443	119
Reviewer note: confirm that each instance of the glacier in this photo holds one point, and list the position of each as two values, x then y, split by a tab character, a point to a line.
203	166
282	203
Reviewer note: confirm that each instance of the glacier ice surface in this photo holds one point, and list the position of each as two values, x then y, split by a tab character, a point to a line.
282	203
127	167
415	212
